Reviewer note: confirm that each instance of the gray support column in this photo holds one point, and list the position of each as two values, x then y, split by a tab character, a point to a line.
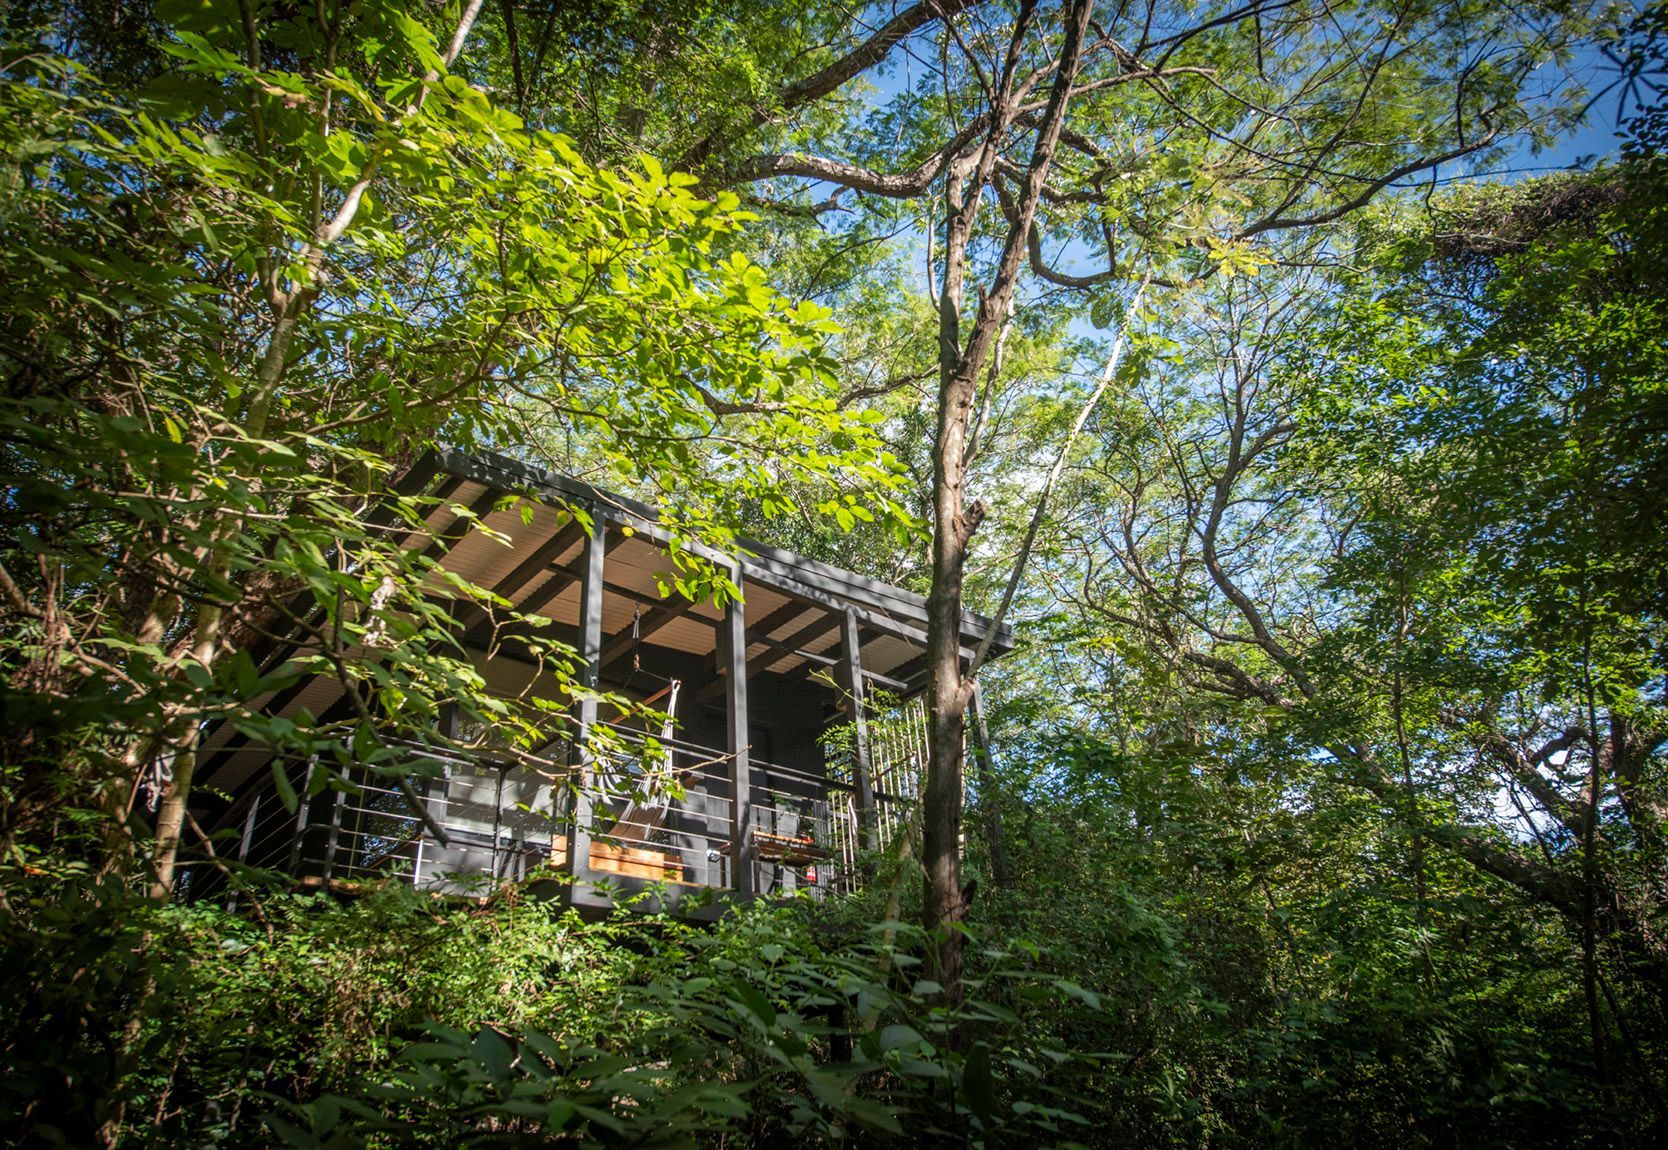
331	843
732	661
848	674
590	652
245	839
248	827
438	793
497	823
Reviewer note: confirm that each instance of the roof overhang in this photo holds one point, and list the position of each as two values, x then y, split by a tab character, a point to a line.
885	608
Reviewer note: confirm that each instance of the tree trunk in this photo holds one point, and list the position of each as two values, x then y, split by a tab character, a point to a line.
949	690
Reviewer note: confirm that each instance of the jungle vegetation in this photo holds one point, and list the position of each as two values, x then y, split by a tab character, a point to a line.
1247	356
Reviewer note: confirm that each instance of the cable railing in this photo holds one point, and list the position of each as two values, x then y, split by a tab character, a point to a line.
898	758
657	809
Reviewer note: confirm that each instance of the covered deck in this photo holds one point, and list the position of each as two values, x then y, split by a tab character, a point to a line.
775	774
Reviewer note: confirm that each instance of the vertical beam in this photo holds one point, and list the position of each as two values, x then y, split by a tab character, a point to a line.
244	840
438	794
732	661
848	674
989	805
591	563
497	821
335	837
306	793
248	828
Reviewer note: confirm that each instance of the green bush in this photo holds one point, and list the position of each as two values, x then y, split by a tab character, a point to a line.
397	1018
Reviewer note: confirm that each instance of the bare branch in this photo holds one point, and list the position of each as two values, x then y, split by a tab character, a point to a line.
982	651
814	87
1373	188
901	185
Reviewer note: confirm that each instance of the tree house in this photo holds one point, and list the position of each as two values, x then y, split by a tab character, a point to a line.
771	776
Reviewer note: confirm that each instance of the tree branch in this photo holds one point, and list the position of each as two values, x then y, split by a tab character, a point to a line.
814	87
1373	188
901	185
982	651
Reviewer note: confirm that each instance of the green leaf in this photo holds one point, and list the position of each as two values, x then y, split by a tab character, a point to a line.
281	782
756	1003
898	1035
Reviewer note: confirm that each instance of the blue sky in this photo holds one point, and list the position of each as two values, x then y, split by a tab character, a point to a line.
1595	137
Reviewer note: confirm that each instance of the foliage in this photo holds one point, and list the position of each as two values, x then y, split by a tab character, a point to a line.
1332	772
249	287
439	1022
1270	980
1393	564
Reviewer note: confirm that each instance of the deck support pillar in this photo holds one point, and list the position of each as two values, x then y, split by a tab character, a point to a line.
245	840
438	794
848	673
732	661
248	835
333	841
578	863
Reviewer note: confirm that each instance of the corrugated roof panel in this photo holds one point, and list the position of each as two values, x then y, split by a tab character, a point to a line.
484	559
317	697
763	602
796	623
634	565
442	515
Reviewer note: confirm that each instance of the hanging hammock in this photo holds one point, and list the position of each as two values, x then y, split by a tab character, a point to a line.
652	798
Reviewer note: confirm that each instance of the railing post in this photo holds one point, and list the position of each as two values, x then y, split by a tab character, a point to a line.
732	661
335	826
306	793
248	827
244	839
437	794
590	653
497	821
849	676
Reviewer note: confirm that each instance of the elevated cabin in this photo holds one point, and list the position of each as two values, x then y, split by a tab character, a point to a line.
767	803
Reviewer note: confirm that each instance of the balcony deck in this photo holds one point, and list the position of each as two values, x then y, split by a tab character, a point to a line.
663	833
744	800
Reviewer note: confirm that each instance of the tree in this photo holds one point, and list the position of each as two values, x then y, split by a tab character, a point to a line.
1170	142
1403	511
258	261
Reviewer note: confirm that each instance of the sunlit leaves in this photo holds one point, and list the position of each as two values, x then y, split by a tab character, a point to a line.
238	291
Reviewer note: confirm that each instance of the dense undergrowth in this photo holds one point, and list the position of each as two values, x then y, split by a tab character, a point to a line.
1146	986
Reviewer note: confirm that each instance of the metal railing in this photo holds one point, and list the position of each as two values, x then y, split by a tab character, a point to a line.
660	809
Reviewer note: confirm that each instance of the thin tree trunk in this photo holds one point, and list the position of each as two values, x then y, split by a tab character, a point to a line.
1001	867
289	308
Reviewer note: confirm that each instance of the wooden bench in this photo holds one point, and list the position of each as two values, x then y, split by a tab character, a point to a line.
630	862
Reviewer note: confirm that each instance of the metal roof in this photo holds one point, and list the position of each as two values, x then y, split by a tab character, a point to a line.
892	611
